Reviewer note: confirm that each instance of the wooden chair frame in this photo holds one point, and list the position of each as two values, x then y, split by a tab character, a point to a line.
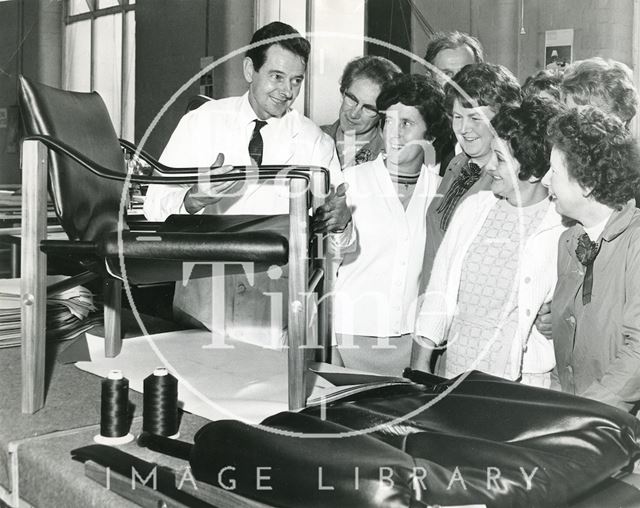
302	280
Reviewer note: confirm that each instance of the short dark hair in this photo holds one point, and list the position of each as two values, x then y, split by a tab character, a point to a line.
599	152
376	68
524	128
426	95
297	45
453	40
543	81
486	85
607	84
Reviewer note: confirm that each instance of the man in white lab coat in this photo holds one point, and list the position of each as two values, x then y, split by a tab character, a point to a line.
257	128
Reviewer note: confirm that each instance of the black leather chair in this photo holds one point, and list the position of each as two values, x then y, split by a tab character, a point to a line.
71	148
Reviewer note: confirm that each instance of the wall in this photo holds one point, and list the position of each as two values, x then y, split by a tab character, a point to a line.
31	43
601	28
40	51
337	30
389	21
171	37
343	26
231	26
442	16
9	65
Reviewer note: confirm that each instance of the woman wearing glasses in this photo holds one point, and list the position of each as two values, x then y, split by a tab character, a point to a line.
357	133
377	285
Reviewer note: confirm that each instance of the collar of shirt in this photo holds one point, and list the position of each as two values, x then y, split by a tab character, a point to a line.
617	224
619	221
594	231
246	116
332	129
387	186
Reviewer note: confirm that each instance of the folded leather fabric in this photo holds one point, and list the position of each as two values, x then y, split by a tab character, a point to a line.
485	441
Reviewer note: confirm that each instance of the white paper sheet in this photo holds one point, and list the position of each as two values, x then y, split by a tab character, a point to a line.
245	382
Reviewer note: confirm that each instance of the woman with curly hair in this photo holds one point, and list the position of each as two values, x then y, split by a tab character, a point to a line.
496	265
605	84
595	172
377	285
543	83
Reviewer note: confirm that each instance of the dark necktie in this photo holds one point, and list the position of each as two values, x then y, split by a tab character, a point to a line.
468	176
586	251
256	145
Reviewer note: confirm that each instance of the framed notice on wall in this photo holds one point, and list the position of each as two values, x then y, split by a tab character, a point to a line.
558	49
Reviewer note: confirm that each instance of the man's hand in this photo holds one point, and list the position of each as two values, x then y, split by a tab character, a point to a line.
205	193
543	320
334	215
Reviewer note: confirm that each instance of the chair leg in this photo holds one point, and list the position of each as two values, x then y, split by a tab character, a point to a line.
298	276
34	274
112	317
325	298
323	258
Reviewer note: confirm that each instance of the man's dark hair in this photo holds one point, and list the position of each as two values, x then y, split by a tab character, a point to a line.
375	68
453	40
297	45
483	84
524	128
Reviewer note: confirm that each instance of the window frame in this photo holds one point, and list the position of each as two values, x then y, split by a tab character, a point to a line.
94	12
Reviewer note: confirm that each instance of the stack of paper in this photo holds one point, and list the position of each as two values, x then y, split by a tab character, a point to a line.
69	312
11	208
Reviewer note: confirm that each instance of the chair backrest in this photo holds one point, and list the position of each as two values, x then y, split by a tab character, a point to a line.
86	204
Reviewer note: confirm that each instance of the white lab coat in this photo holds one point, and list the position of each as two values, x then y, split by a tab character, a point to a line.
225	126
377	287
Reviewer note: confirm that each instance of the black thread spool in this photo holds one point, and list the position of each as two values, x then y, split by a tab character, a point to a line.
114	410
160	404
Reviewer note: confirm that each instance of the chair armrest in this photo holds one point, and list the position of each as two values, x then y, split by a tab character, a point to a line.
181	175
132	149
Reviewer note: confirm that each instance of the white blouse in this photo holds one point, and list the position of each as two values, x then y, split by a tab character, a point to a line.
377	286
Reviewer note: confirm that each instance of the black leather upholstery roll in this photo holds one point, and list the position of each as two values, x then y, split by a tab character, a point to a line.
487	441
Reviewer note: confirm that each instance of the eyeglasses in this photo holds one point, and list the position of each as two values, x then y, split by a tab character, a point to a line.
352	102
